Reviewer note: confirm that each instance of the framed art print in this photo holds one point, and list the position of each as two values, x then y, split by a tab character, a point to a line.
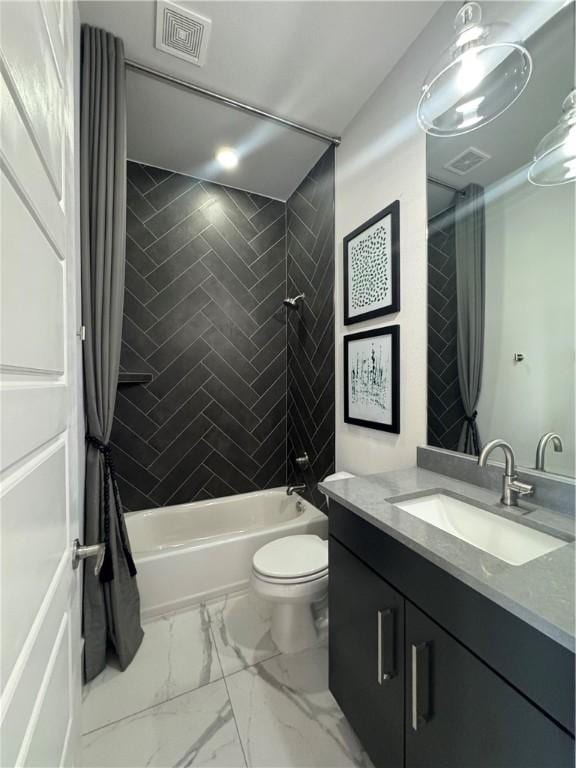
372	379
372	267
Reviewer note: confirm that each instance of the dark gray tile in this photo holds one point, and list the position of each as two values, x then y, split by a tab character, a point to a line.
137	230
138	285
139	177
228	304
232	404
135	256
225	446
177	237
224	274
266	239
168	190
268	214
137	312
179	341
179	316
181	366
193	197
138	341
231	353
179	263
228	424
226	373
180	446
229	256
137	203
190	386
230	330
222	468
168	298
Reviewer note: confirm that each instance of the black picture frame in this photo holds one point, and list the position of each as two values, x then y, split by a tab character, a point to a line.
394	423
393	210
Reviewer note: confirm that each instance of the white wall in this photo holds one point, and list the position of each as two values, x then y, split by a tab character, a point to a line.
383	158
530	309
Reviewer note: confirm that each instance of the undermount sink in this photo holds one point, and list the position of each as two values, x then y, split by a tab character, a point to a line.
503	538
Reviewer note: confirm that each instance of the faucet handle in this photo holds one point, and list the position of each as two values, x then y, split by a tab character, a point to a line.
522	489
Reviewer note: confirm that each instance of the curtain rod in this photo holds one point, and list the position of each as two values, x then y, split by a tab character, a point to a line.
439	183
201	91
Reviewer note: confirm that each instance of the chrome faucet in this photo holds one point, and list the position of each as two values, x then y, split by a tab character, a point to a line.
543	444
294	489
511	486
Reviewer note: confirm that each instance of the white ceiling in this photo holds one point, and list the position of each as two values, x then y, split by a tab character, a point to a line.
313	62
511	139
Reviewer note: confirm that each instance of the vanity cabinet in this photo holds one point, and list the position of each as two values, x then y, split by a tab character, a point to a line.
415	695
367	656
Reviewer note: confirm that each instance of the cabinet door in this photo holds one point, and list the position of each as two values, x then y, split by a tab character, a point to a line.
367	655
459	713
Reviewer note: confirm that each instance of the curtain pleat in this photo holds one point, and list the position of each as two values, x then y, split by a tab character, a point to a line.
111	603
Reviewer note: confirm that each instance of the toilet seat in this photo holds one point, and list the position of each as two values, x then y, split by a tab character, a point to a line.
292	559
297	580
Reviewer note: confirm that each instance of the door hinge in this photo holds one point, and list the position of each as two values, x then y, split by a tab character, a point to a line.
81	333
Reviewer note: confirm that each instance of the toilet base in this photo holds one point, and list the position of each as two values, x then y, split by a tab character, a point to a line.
293	627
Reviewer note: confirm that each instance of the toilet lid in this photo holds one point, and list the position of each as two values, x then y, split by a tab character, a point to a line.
292	556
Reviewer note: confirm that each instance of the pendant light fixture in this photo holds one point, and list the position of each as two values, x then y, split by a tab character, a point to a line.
482	72
555	157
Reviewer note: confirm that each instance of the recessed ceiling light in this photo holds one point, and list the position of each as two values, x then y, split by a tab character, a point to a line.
227	158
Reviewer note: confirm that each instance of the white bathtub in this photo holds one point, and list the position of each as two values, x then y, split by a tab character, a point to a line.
192	552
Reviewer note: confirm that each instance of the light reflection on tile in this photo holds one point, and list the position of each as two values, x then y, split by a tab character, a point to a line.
196	728
241	628
287	716
177	655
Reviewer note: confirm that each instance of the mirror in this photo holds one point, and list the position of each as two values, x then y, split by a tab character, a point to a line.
501	269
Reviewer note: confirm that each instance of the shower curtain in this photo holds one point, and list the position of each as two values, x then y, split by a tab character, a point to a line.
111	603
470	291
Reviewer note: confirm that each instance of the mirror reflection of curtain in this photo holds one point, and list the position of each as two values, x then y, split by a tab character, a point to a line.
470	290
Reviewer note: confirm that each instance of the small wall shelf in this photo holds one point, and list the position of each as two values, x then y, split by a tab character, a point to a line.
134	378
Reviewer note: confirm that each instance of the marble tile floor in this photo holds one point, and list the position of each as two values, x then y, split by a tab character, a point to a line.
209	688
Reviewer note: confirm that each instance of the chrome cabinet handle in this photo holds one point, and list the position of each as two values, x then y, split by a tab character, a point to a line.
80	552
386	646
420	685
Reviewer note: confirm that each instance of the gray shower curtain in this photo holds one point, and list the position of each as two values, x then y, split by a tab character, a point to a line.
470	290
111	604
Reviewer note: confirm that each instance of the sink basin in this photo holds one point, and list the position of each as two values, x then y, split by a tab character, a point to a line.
510	541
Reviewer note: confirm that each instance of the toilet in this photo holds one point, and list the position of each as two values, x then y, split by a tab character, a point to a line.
292	574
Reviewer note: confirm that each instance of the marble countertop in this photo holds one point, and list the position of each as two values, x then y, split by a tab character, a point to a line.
540	592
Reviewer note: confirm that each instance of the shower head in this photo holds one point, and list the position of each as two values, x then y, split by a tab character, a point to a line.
293	303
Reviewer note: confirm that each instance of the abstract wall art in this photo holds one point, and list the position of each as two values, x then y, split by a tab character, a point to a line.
372	379
372	267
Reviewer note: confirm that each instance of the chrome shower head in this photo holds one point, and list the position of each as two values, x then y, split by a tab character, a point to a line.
293	303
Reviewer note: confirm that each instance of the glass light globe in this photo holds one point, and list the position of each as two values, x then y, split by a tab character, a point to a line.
481	73
555	157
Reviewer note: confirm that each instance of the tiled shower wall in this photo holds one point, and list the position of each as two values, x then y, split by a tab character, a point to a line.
310	233
203	313
445	411
205	277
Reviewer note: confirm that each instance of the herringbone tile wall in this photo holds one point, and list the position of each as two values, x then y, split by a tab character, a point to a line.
445	411
205	279
311	328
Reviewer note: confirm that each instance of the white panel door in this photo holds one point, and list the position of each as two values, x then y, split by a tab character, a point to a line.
41	446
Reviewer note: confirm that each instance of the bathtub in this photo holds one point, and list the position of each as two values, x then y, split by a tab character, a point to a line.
189	553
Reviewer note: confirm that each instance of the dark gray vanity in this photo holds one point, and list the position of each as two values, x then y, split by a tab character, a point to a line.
443	655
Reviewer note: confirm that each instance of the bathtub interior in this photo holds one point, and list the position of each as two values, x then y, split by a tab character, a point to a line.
195	523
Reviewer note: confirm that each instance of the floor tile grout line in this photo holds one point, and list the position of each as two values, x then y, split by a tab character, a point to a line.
153	706
246	763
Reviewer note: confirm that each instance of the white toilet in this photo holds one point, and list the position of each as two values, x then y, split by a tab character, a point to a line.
292	574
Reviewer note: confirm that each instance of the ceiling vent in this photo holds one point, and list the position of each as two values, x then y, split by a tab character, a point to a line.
467	161
181	32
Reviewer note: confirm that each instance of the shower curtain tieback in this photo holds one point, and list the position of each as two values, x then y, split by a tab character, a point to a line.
471	435
107	570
